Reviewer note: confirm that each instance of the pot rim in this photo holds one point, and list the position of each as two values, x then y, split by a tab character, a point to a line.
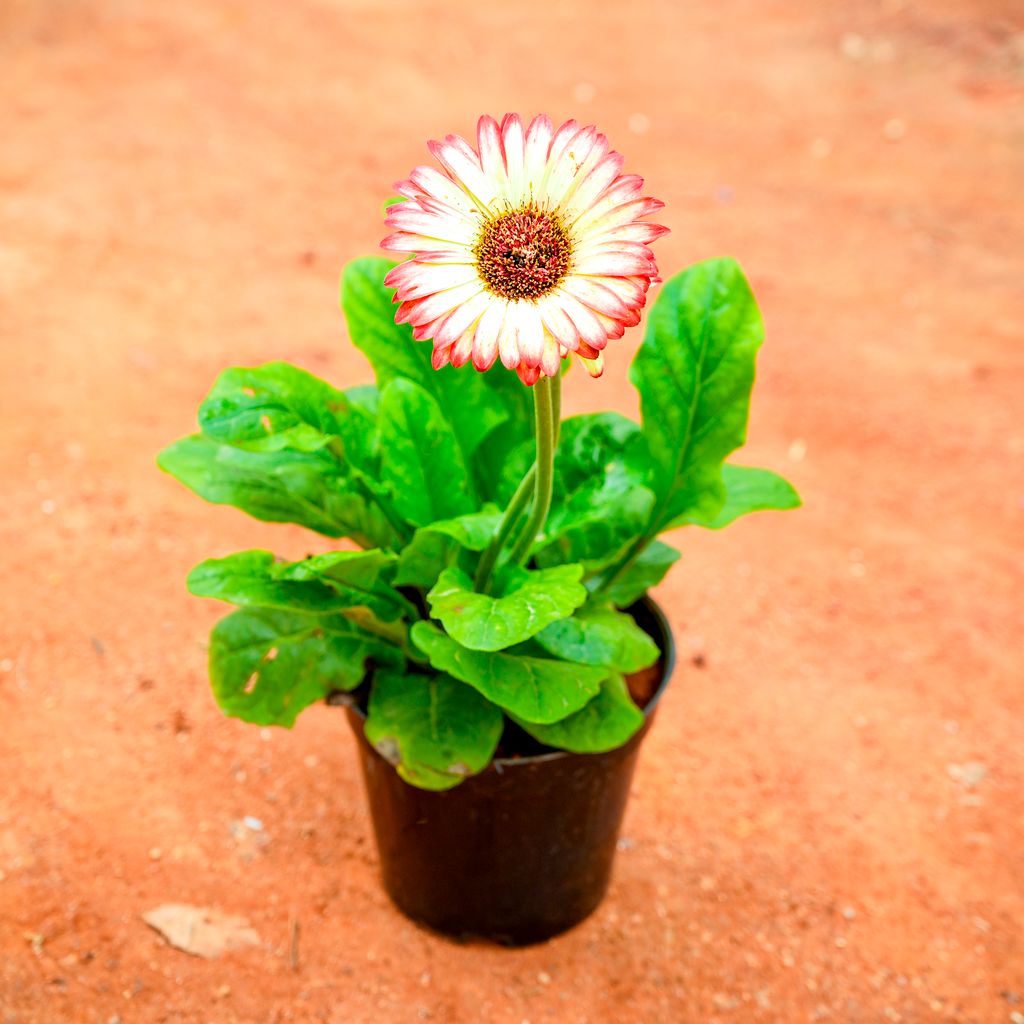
668	658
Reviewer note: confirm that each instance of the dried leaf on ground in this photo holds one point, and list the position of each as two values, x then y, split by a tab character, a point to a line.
201	931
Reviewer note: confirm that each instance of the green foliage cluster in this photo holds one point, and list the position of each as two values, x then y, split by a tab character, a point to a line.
417	471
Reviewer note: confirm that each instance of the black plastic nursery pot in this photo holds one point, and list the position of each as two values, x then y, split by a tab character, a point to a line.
521	851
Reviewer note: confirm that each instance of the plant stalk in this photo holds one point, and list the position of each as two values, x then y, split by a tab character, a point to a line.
546	398
511	519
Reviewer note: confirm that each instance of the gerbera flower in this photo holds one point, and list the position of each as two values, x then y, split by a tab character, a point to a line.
527	250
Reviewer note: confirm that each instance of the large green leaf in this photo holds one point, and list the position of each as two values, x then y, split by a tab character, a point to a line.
267	665
606	722
746	490
646	571
600	635
694	372
442	544
533	689
529	602
421	460
320	585
434	729
600	501
280	406
475	404
311	489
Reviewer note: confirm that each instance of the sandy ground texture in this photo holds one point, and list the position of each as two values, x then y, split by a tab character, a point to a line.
828	822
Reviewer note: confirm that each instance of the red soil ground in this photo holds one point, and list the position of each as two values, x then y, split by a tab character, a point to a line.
828	822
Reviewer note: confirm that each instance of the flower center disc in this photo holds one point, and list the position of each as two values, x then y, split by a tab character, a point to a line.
523	254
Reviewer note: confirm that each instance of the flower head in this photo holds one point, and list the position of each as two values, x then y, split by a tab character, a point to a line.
527	249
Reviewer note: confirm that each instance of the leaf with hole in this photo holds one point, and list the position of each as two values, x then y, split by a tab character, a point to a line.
421	461
267	665
311	489
320	585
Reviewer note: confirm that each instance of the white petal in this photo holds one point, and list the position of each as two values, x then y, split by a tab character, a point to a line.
485	344
513	142
530	332
614	265
603	173
508	347
584	319
538	144
456	156
595	220
420	311
551	359
402	217
413	280
462	349
433	183
462	318
492	159
596	296
557	322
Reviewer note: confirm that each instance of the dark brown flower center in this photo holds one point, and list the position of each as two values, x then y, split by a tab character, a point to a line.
523	254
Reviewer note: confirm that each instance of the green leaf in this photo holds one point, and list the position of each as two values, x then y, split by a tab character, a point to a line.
320	585
436	547
746	490
606	722
421	460
267	665
533	689
435	729
600	501
694	371
280	406
645	572
599	635
530	601
475	404
286	486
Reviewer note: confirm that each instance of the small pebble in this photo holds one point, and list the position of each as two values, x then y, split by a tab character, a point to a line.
968	774
639	123
253	823
853	46
894	129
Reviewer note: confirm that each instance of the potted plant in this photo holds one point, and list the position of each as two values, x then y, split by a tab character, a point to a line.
489	628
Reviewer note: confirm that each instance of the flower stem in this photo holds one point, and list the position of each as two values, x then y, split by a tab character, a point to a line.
511	519
546	398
